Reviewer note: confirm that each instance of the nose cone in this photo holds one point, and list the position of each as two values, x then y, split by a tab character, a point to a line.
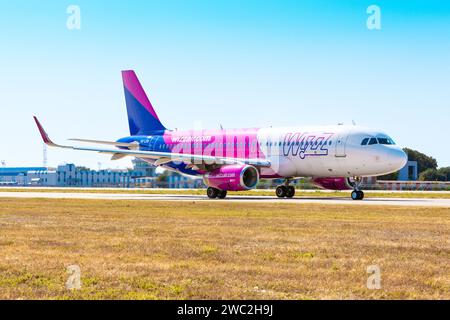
397	158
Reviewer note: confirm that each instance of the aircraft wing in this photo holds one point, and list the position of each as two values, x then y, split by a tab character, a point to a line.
133	145
160	157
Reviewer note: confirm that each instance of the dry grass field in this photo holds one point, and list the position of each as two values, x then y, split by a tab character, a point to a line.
220	250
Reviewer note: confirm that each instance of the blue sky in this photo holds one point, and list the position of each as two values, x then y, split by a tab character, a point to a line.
238	63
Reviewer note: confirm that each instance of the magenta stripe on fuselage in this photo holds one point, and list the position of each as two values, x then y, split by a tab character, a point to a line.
237	143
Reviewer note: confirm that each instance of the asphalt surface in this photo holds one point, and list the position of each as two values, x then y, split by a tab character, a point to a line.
412	202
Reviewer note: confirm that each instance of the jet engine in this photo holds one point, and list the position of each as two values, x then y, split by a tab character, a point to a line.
234	177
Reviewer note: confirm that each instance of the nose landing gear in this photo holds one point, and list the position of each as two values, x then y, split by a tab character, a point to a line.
285	191
357	193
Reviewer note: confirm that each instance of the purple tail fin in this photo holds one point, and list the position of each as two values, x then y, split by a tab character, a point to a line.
142	118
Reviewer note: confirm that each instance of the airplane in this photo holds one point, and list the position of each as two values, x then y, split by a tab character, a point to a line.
334	157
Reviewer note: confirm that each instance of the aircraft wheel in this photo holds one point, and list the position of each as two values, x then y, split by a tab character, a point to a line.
357	195
212	193
281	191
222	194
290	191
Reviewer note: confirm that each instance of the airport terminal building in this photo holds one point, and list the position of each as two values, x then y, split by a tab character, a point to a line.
21	176
67	175
70	175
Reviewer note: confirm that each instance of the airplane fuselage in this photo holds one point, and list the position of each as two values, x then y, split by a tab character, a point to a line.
334	151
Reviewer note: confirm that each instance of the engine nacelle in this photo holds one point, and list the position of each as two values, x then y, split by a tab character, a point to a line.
334	183
234	177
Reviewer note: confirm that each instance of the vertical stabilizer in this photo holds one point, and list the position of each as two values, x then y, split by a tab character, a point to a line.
142	118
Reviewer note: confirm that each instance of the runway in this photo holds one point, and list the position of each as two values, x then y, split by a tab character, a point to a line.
412	202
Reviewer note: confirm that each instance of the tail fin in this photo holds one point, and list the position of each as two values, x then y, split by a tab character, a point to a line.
142	118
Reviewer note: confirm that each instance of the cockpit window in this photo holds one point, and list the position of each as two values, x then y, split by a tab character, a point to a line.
372	141
387	141
364	142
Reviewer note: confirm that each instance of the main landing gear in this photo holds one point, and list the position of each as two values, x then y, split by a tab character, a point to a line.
357	193
285	191
213	193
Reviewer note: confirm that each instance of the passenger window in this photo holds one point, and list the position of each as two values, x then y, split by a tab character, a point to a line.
372	141
364	142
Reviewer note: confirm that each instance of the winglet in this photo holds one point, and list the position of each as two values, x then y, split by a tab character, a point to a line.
44	134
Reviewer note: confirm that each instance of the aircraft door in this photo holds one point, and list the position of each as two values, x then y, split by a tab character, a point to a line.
341	143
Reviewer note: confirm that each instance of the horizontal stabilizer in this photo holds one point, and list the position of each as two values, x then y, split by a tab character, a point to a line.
117	156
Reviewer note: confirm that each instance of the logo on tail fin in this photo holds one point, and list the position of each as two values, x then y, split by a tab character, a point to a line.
142	118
